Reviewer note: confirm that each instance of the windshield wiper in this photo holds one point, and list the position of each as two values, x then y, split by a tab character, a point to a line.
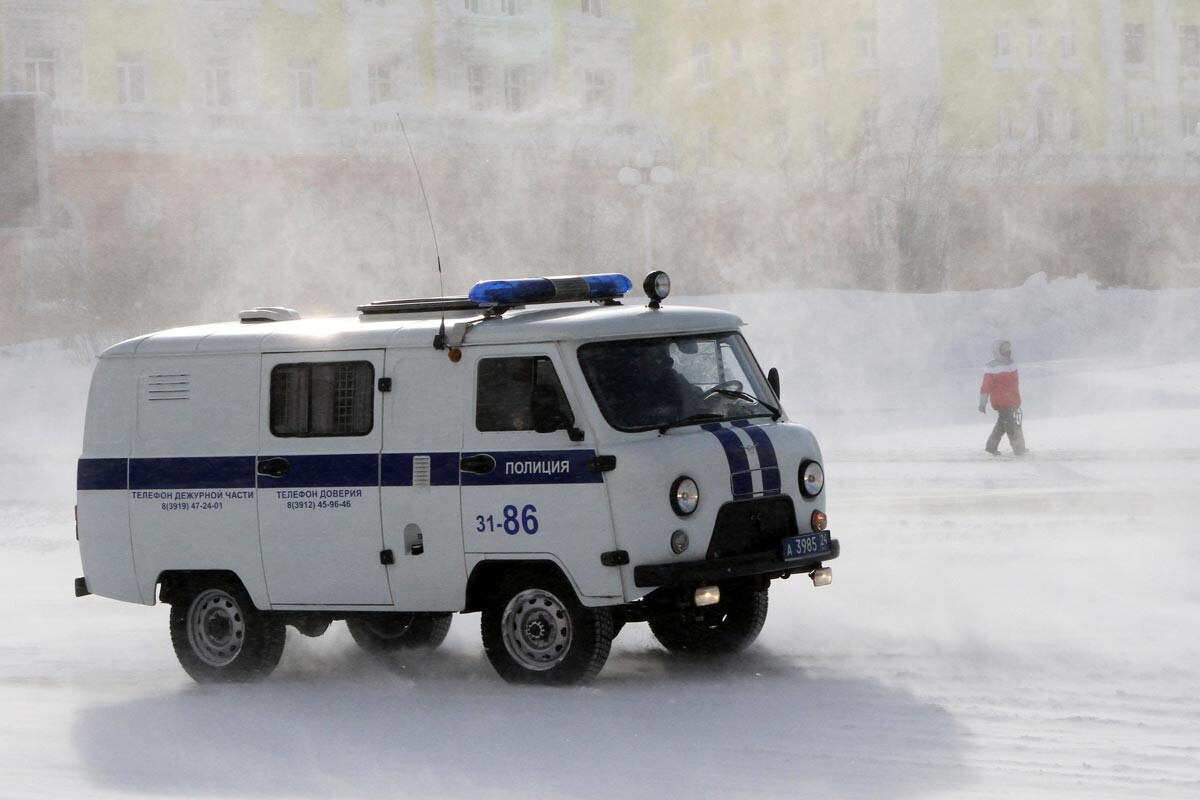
691	419
749	398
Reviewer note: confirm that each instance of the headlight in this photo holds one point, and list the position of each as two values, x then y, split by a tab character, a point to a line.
812	479
685	496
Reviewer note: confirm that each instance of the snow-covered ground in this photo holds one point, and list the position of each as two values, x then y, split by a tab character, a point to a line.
997	627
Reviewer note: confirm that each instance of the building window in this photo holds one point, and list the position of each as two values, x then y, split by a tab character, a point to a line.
477	87
379	83
704	146
875	222
598	90
868	50
1037	40
778	54
868	127
336	399
1068	44
822	137
514	8
596	8
516	89
508	389
1002	41
1045	124
814	45
218	82
473	6
39	70
1189	46
1190	117
131	78
1135	43
302	82
1137	126
1008	127
701	65
1073	124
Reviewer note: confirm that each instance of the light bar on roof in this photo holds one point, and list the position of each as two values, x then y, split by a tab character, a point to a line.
564	289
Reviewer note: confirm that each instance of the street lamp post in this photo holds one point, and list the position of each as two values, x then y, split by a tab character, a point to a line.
645	178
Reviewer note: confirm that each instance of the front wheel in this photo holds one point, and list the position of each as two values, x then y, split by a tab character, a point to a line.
536	631
388	633
730	626
220	637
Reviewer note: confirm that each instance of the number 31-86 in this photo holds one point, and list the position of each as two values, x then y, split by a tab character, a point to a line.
512	521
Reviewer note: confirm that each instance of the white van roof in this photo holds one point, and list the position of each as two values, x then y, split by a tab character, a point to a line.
581	322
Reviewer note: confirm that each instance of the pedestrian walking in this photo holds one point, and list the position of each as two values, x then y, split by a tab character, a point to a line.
1002	383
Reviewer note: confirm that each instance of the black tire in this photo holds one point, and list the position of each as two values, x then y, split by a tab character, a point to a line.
535	631
389	633
220	637
728	627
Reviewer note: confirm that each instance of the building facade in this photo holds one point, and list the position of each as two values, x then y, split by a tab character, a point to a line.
202	153
194	154
933	144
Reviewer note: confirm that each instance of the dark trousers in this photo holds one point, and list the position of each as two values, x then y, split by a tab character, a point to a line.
1009	422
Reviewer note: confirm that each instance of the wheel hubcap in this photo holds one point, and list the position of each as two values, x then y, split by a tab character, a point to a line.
216	628
537	630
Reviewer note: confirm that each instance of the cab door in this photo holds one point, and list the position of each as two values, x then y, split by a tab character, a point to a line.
525	492
318	478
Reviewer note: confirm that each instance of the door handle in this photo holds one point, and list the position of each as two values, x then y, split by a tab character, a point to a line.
480	464
274	467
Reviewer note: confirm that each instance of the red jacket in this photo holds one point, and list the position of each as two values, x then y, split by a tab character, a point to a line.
1001	382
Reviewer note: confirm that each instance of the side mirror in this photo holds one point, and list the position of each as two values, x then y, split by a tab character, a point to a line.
773	380
547	413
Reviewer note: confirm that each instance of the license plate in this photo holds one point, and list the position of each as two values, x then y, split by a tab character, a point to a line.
806	544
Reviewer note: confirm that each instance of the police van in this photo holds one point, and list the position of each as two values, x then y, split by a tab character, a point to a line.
538	451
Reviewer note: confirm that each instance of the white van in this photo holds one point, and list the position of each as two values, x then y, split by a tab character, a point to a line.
537	451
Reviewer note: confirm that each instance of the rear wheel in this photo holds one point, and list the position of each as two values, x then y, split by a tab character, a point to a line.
730	626
536	631
220	637
388	633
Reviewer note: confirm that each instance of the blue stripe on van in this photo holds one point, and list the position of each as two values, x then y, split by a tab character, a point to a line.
740	481
515	467
202	472
353	469
102	473
767	460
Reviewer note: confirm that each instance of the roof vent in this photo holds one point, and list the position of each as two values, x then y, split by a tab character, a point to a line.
268	314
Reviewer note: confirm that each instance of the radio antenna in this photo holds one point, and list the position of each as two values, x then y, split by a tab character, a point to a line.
439	341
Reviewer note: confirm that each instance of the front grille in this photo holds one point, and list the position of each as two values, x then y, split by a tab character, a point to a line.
752	526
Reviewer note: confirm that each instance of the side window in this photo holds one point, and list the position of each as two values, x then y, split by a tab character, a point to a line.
334	399
520	394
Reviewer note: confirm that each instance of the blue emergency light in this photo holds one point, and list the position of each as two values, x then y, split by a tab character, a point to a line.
563	289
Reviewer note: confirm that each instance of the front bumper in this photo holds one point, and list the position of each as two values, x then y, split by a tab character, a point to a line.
715	570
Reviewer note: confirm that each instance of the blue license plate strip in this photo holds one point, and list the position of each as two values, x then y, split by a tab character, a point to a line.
806	545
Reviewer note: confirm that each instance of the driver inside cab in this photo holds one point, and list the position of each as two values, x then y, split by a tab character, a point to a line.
653	389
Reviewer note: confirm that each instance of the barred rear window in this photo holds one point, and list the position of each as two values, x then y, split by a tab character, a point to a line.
335	399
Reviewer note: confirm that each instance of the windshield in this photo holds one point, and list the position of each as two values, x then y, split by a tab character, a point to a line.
641	384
